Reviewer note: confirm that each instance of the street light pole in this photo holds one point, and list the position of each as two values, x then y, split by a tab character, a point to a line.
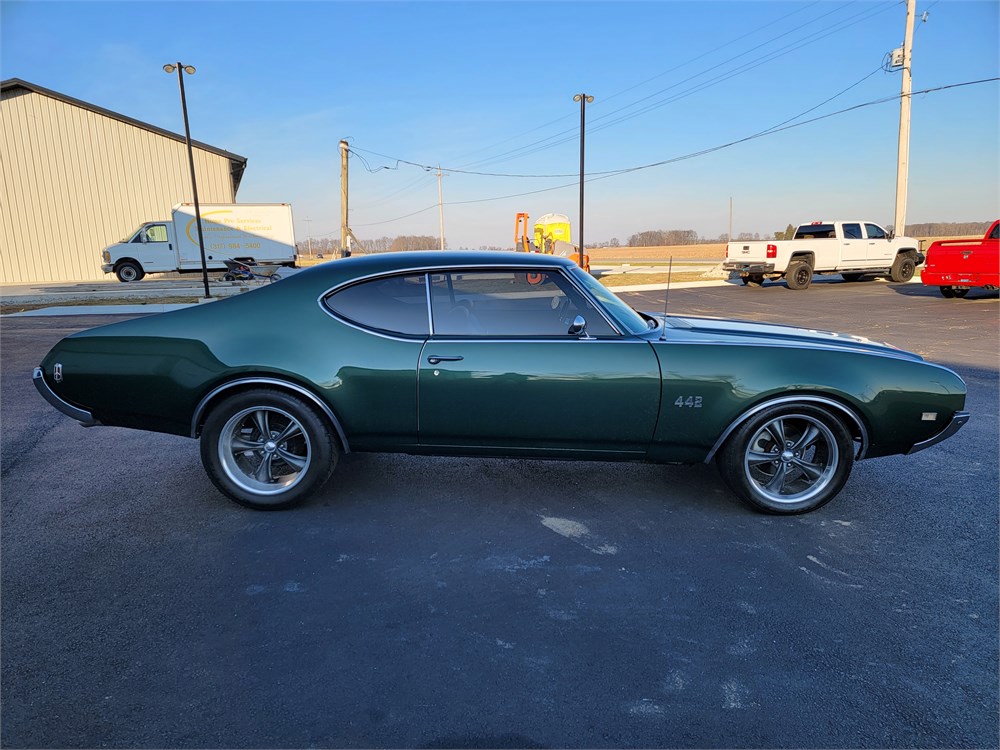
584	100
181	70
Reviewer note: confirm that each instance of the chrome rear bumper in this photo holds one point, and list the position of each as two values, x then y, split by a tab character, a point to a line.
82	416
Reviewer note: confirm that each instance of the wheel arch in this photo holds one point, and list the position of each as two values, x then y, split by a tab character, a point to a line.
239	385
121	261
809	257
854	423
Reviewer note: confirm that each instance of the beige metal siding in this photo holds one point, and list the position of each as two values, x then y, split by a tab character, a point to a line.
75	181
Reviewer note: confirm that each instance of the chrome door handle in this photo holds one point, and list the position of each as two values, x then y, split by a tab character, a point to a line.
435	358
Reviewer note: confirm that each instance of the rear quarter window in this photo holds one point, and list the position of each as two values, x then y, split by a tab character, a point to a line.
391	304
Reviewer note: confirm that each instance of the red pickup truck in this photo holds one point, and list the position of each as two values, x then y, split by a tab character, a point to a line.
959	265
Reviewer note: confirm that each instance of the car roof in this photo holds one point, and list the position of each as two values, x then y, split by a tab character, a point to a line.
425	259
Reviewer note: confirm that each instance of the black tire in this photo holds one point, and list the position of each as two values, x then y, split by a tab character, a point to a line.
777	478
269	471
947	292
960	293
902	269
754	279
798	275
852	276
128	271
228	277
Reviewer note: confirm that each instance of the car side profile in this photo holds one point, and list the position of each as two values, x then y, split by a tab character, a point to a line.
496	354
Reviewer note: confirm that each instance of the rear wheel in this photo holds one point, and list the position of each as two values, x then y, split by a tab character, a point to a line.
960	292
798	275
947	292
129	271
902	269
753	279
788	459
267	449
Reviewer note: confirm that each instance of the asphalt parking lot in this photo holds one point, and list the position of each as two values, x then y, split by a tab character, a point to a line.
425	602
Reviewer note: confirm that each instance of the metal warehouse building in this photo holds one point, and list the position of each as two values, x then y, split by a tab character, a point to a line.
77	178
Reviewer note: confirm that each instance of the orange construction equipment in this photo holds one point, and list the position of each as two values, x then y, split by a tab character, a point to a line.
521	242
551	237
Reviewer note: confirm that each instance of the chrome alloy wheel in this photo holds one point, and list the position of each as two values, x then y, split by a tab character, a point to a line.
264	450
791	458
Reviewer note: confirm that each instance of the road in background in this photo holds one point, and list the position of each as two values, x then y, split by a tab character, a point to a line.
439	602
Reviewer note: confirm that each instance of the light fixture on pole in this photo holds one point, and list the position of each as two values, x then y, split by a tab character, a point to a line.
584	100
181	70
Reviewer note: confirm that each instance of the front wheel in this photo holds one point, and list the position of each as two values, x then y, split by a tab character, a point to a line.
129	271
267	449
788	459
902	269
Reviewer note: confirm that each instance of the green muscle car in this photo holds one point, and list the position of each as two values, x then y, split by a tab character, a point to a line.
499	354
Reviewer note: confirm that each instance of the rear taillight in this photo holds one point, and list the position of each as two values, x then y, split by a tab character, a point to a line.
772	251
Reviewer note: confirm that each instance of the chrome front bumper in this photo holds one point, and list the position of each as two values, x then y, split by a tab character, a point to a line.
959	419
82	416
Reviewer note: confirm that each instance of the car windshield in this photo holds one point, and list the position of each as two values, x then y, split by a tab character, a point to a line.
629	319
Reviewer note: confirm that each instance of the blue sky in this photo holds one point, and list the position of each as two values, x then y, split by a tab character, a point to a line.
489	87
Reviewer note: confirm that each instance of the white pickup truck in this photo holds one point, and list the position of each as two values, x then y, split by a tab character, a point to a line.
851	248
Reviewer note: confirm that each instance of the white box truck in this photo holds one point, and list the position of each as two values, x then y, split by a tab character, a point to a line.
251	233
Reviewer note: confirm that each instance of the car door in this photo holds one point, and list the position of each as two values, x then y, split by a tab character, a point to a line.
157	250
880	248
854	246
501	371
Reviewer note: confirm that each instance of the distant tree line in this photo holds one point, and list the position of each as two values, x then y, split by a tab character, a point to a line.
651	238
947	229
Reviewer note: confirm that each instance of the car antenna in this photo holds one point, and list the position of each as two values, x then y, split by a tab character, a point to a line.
666	296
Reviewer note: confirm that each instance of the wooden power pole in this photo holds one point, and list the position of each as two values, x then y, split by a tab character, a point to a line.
903	163
344	228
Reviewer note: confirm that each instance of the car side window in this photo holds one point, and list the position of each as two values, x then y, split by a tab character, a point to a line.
525	303
995	234
875	232
392	304
156	233
852	232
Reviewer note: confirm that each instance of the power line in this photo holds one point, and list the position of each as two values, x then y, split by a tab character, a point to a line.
702	152
567	135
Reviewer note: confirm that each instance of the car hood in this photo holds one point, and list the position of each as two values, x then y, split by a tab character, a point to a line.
720	330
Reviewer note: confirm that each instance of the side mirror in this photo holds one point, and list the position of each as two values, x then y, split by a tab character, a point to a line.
891	235
143	238
578	327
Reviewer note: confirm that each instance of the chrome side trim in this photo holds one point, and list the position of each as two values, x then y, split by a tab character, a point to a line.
199	410
794	400
85	418
957	421
428	270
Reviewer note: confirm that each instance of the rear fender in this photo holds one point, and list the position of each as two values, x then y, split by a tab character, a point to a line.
234	386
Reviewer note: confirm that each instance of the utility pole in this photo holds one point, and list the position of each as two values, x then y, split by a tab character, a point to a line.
729	237
309	239
903	163
440	207
584	100
343	199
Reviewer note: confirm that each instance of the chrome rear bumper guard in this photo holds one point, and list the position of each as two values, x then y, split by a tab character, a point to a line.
959	419
82	416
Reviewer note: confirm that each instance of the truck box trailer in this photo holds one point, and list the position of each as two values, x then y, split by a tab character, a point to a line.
252	233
